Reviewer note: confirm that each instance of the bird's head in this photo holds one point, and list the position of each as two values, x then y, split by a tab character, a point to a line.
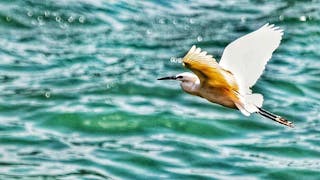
183	77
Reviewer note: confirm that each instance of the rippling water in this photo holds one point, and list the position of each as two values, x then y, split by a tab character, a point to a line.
80	100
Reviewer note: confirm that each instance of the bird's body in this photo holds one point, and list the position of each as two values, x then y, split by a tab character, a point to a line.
228	83
224	95
220	95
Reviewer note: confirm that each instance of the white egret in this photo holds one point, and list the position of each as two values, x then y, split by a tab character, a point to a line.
228	82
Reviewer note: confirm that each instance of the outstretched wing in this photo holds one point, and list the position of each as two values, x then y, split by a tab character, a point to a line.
247	56
205	67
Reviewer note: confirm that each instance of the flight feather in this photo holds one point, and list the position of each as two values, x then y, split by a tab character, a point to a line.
204	66
247	56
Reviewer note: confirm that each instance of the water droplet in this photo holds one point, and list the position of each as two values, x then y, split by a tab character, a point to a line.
174	22
58	19
303	18
8	18
81	19
47	94
281	18
161	21
29	13
46	13
40	18
63	26
70	19
243	19
34	22
199	38
191	21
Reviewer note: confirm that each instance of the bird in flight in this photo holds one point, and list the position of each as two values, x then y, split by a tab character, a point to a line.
229	82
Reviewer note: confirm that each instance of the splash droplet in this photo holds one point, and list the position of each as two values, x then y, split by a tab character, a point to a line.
29	13
46	13
243	19
63	25
40	20
70	19
8	18
191	21
174	22
47	94
34	22
281	18
58	19
303	18
199	38
161	21
81	19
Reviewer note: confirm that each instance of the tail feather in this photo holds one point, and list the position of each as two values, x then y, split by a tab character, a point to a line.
249	103
274	117
255	99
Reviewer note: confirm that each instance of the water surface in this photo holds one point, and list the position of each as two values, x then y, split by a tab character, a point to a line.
79	97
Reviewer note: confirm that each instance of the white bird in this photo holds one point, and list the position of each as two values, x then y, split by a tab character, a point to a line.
228	83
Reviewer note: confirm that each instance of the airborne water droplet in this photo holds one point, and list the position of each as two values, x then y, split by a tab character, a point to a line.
46	13
303	18
47	94
58	19
161	21
81	19
70	19
243	19
281	18
63	25
29	13
174	22
40	20
191	21
8	18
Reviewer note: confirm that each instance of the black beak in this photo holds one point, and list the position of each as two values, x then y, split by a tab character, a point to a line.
168	78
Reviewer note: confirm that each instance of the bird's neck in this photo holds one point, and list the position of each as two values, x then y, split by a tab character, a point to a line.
191	87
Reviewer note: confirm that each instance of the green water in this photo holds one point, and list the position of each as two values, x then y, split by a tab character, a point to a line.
79	97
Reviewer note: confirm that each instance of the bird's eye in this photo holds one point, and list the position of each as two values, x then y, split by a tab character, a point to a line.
180	77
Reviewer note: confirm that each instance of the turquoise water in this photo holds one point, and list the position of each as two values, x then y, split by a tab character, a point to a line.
80	100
